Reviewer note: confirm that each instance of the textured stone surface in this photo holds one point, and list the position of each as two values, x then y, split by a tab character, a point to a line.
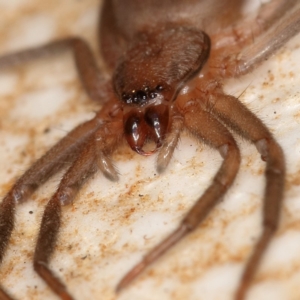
111	226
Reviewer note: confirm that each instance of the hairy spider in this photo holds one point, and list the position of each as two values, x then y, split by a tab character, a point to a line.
185	108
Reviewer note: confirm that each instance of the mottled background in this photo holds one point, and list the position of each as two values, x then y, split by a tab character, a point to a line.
111	226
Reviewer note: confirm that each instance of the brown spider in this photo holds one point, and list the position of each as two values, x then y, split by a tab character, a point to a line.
186	108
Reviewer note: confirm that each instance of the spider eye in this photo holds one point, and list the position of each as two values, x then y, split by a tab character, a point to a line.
140	97
126	98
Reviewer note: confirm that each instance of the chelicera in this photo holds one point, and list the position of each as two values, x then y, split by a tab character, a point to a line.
166	76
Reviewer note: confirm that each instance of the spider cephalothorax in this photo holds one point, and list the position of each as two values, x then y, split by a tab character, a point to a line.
149	76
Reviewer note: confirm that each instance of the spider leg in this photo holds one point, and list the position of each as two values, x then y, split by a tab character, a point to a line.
106	140
4	295
235	115
41	171
170	142
64	151
91	77
84	166
205	127
68	188
49	164
244	32
265	45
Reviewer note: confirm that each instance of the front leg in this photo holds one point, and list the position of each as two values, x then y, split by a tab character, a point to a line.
90	75
208	129
245	60
244	32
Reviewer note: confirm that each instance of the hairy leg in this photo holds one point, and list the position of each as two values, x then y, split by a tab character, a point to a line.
86	164
59	156
235	115
208	129
170	142
245	60
238	117
66	150
65	194
243	33
90	75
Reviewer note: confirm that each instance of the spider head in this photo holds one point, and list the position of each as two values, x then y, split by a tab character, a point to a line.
145	117
149	76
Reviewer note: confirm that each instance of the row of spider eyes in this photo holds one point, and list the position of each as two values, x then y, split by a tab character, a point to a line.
141	96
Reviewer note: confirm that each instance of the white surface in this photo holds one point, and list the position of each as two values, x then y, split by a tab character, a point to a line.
111	225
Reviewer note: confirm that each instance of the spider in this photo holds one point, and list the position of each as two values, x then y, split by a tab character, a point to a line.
158	135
